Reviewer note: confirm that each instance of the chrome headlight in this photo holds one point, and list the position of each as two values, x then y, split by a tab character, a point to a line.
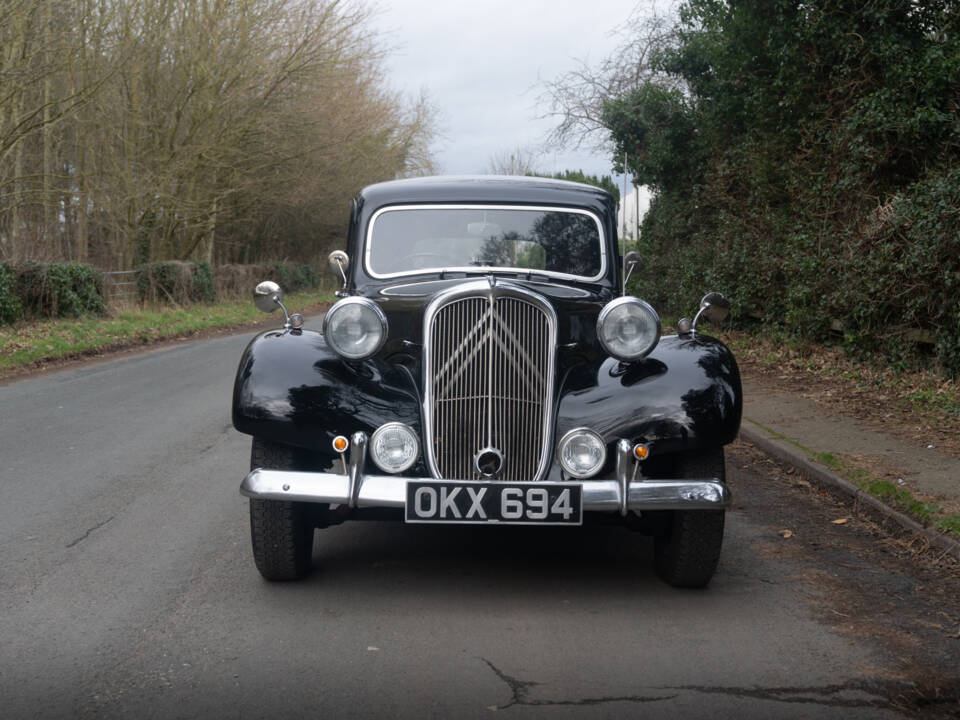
355	328
394	447
628	328
582	453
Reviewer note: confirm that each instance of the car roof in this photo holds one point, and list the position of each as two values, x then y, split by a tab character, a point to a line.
485	188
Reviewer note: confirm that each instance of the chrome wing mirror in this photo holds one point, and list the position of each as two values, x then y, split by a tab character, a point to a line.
713	306
632	262
268	296
339	261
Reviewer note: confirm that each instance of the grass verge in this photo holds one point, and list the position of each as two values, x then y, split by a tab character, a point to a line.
37	342
929	514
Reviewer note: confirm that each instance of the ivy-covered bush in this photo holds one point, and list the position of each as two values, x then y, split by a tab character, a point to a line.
59	289
10	307
810	169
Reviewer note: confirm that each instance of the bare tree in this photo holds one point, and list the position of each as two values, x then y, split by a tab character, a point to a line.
576	99
136	130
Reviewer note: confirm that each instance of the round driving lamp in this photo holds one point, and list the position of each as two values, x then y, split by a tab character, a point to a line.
582	453
355	328
628	328
394	447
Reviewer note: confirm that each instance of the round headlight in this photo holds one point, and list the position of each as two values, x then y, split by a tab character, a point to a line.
582	453
628	328
355	328
394	447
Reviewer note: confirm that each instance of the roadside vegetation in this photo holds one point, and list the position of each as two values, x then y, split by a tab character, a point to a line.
920	407
804	159
34	344
138	131
158	158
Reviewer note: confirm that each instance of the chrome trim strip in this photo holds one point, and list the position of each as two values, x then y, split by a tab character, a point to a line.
358	456
368	235
624	471
390	491
488	290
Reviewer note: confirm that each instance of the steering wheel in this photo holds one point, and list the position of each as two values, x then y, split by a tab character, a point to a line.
426	256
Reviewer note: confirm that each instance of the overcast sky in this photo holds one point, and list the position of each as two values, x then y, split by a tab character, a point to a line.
481	61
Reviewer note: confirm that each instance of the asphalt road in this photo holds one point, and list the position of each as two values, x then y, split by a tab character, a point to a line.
127	589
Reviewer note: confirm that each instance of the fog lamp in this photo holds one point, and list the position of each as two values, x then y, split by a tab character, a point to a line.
582	453
394	447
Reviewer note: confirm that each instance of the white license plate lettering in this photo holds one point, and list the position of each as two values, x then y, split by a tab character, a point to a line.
511	507
537	499
494	502
425	502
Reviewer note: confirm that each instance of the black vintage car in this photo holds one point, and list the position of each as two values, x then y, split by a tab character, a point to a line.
484	365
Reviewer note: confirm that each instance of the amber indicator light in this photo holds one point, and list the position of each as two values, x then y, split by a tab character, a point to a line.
641	451
340	443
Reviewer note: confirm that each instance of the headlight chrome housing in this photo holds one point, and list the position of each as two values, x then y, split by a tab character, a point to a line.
628	328
394	447
355	328
582	453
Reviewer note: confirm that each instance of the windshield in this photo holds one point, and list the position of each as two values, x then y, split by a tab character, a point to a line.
416	239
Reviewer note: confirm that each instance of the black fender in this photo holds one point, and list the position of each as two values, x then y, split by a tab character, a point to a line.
292	388
685	395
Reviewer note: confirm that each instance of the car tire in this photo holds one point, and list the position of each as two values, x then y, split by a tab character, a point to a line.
281	531
686	555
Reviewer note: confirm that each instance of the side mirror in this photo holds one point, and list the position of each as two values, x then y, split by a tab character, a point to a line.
632	262
339	261
714	307
267	296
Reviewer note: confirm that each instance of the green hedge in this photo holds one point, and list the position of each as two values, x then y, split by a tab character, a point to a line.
10	307
72	289
810	169
874	284
50	290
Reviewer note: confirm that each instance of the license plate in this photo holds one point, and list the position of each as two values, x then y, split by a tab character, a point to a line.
494	502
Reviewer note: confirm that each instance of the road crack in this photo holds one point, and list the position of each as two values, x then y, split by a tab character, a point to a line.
887	695
83	537
519	690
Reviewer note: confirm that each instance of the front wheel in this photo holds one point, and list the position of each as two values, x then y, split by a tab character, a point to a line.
281	531
686	555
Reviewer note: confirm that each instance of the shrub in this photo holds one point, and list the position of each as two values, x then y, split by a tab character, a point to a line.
60	289
10	307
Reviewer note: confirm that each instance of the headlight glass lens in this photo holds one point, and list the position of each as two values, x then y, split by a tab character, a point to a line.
628	328
582	453
355	328
394	447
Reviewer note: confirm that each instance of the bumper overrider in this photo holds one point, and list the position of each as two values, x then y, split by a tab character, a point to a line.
628	490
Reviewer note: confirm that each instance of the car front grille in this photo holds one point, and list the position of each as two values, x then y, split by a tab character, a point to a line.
490	375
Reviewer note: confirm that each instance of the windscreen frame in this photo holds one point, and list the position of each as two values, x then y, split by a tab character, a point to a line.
485	270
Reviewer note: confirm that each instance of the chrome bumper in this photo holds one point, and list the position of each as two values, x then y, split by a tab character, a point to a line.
357	489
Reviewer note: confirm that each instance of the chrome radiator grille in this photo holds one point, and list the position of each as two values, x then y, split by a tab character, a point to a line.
490	370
